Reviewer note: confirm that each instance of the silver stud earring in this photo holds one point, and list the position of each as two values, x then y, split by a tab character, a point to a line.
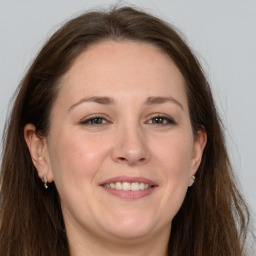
192	180
44	180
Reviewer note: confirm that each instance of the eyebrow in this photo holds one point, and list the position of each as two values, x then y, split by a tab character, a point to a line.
162	100
96	99
110	101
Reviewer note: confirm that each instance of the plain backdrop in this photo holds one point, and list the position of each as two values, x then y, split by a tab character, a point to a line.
222	33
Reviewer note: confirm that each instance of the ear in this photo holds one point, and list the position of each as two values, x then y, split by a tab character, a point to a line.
39	152
199	145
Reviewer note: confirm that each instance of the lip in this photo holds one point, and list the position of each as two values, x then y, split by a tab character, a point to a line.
132	195
129	179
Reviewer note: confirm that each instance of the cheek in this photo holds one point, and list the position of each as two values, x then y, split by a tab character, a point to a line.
173	159
175	154
75	157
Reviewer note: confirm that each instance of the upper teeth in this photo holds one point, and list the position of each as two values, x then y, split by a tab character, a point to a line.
134	186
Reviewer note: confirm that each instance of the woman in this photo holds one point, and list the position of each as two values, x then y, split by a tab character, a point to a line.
112	125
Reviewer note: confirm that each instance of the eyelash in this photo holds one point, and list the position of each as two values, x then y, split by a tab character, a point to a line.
167	120
89	120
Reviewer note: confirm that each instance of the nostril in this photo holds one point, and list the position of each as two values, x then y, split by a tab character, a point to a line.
142	159
130	157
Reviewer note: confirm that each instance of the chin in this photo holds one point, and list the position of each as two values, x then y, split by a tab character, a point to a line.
131	227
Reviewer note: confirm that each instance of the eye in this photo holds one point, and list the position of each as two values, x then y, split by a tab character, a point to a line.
94	121
161	120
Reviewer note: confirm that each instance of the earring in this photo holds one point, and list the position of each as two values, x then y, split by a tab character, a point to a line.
192	180
44	180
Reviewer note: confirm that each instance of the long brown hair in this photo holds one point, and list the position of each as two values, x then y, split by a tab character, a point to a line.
213	219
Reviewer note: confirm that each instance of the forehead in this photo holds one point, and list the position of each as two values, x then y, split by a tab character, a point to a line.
128	67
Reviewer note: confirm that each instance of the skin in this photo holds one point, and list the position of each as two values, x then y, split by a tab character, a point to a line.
128	139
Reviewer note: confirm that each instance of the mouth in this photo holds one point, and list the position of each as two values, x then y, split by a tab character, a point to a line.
129	187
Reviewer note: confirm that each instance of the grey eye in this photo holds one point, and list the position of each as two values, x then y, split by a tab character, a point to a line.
94	121
161	120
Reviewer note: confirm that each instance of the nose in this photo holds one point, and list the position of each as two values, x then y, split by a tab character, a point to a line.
130	146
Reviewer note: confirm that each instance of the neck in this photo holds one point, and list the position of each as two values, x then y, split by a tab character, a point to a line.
95	246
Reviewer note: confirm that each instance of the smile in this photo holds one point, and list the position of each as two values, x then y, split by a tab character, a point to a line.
128	186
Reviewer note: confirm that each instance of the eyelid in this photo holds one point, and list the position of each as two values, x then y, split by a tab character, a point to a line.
87	119
170	119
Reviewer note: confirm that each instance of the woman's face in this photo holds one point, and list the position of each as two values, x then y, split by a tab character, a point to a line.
120	148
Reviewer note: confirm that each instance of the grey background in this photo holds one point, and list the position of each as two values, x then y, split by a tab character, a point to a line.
221	32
